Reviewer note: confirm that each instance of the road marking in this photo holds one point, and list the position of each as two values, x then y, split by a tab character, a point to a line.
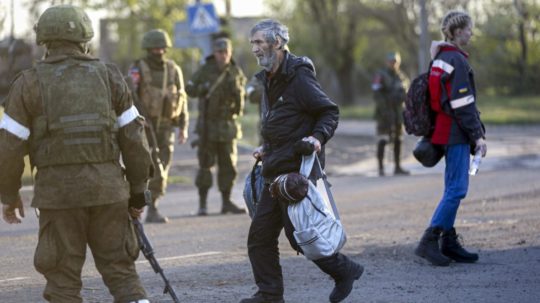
14	279
204	254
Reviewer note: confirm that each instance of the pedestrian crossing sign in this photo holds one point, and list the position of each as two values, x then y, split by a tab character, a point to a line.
202	19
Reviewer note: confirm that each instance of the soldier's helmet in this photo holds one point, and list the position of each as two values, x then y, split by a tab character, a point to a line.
64	22
156	38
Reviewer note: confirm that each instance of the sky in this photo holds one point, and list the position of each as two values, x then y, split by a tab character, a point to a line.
239	8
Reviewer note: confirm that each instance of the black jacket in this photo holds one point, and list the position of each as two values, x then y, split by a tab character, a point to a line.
294	106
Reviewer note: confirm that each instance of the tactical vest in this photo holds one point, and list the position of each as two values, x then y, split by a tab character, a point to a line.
78	124
160	102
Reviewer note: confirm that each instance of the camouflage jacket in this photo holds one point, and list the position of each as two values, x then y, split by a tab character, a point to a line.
71	185
219	113
161	92
389	88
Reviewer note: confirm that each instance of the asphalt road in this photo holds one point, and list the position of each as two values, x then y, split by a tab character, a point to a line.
206	260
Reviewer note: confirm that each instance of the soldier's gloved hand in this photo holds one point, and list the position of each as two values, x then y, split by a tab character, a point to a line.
137	200
136	205
9	211
480	145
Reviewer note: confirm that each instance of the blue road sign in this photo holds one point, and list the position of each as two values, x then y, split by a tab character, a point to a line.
202	19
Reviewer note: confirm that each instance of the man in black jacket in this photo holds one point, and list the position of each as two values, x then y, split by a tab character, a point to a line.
294	110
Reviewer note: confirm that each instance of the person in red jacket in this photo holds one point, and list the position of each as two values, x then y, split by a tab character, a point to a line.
459	129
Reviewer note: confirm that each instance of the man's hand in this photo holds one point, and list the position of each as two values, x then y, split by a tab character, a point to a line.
316	143
307	146
9	212
136	212
480	145
182	136
258	153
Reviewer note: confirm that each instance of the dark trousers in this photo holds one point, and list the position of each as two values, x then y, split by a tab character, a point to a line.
64	235
271	217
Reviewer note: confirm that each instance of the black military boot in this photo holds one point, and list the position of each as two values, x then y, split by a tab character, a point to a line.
380	156
153	215
428	248
451	248
398	170
203	196
229	206
263	298
344	271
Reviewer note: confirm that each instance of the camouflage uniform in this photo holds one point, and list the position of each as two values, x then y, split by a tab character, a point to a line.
217	127
74	116
160	97
389	87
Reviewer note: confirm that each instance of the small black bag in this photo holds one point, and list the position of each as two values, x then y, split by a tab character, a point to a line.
427	153
253	188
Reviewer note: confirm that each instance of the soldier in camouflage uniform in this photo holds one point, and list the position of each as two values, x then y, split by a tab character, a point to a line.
389	87
74	116
219	85
160	96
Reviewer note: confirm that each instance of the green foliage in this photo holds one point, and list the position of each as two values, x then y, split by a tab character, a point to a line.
509	110
497	53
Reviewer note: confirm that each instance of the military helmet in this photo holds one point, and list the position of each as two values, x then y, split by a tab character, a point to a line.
63	22
156	38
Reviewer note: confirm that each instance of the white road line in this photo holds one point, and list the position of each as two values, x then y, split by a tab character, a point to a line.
204	254
14	279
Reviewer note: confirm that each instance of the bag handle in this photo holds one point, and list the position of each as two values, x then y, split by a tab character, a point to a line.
305	169
253	181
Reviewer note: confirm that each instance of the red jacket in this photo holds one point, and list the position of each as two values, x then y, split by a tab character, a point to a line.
453	98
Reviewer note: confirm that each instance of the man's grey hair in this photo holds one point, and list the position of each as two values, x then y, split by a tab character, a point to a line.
271	30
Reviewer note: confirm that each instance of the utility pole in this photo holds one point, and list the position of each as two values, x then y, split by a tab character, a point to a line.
12	29
228	9
423	49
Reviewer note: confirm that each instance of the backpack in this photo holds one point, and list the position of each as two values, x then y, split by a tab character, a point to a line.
317	226
418	116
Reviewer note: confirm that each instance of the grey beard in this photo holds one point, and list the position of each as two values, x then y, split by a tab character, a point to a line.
267	62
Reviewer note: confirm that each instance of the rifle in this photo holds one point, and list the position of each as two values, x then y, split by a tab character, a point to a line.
148	252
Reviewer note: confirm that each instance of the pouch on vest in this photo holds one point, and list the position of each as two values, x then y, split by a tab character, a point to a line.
318	229
78	124
161	102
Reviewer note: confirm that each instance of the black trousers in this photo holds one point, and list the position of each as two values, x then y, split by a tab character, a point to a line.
271	217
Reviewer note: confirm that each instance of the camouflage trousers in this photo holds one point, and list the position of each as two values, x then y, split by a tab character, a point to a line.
226	155
162	157
64	235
